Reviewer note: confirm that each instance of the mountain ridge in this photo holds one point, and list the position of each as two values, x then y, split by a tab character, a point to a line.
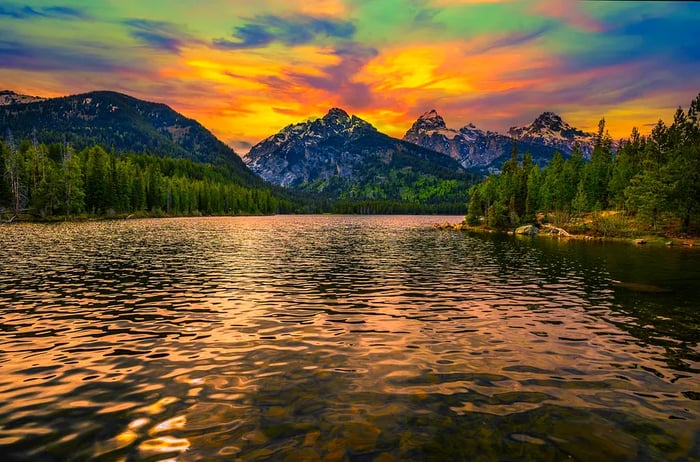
473	148
550	129
120	122
8	97
348	158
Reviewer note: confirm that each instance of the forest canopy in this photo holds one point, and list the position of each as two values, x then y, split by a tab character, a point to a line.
654	178
49	181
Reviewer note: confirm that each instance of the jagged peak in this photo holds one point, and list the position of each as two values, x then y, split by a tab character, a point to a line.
337	113
549	115
549	119
431	114
429	120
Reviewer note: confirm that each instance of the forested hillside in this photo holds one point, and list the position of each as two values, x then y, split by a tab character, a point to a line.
49	181
655	179
120	123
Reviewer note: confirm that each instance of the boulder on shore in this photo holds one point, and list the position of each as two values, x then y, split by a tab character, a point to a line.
529	230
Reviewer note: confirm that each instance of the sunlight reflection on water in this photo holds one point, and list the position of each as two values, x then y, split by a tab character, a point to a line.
341	338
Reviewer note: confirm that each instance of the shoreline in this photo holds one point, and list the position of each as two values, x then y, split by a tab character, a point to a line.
550	232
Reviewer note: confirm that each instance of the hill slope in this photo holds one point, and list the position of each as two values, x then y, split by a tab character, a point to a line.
8	97
121	122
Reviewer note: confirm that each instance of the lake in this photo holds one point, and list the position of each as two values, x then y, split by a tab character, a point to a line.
307	338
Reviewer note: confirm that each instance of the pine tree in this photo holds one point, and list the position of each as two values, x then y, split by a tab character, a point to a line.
14	172
72	175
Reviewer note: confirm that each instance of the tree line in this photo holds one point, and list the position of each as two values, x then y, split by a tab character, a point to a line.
654	178
54	180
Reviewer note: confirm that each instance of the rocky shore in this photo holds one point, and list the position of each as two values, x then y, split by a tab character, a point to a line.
551	231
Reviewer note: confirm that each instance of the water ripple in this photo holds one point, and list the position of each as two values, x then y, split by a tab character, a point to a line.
341	338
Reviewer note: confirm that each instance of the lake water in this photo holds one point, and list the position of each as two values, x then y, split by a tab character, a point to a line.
342	338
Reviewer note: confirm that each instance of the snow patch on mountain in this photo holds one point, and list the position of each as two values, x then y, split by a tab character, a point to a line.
549	129
483	150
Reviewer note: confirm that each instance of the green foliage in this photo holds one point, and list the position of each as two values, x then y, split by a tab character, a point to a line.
506	200
55	181
394	183
654	178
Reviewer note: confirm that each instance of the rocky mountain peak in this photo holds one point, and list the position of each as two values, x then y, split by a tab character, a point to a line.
430	120
550	120
549	129
337	151
336	113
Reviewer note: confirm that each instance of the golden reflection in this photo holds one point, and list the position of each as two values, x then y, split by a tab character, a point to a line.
120	441
138	423
494	409
159	406
164	444
126	438
487	342
176	423
229	450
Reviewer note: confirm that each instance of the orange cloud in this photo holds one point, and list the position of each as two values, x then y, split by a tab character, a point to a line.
444	73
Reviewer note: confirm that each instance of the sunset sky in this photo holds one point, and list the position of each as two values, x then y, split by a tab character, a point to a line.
245	69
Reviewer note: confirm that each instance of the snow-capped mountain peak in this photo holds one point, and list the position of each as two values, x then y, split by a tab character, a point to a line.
430	120
429	124
487	150
337	149
550	129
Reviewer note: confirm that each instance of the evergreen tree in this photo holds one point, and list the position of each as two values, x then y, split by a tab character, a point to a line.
15	174
73	192
97	176
627	164
596	174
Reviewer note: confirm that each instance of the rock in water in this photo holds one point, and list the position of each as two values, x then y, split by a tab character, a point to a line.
529	230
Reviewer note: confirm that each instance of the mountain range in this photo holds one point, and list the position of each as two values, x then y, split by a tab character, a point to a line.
486	151
337	155
550	130
344	156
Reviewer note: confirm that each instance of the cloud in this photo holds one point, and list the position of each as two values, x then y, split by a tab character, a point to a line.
65	12
19	54
514	39
19	12
16	11
676	36
294	30
668	38
569	12
339	78
159	35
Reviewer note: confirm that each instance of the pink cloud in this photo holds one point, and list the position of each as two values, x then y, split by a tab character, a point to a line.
570	12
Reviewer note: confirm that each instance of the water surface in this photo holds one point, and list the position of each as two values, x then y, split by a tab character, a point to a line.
342	338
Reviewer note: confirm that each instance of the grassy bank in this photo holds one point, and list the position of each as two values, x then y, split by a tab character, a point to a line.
609	225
